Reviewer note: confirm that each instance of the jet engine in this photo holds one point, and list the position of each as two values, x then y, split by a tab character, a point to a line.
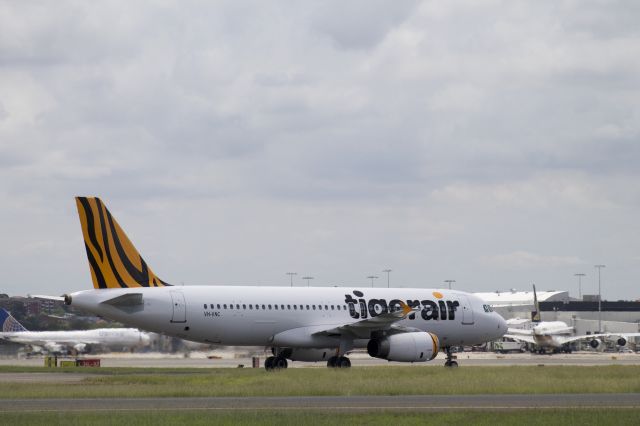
308	355
82	348
621	341
405	347
595	343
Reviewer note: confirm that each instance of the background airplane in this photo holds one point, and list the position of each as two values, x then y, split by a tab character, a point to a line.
557	335
80	341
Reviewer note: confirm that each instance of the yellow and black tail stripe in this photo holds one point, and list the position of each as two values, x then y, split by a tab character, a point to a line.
113	260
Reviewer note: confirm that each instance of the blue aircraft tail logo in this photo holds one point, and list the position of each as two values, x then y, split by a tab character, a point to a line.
9	323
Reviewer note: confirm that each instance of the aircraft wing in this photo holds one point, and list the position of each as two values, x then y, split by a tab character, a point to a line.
521	337
520	331
570	339
362	329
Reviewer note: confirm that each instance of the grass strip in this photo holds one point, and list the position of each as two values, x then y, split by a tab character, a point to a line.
463	418
390	380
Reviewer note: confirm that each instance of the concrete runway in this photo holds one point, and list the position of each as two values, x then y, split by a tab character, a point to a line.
331	403
227	360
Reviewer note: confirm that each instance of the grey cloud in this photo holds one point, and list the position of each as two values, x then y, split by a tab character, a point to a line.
359	24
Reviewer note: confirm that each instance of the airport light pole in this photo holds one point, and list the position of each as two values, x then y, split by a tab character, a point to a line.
449	282
599	267
291	274
388	271
372	277
580	284
307	278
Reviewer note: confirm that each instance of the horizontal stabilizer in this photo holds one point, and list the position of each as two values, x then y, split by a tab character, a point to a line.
129	299
45	297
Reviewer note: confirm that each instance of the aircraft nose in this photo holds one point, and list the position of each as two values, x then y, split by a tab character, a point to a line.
501	325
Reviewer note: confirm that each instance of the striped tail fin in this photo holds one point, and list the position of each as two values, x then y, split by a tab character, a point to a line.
113	260
9	323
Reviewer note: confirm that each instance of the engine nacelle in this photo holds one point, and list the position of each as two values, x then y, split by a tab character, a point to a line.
308	355
82	348
621	341
595	343
405	347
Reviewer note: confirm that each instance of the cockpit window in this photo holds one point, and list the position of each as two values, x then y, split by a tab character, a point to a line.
487	308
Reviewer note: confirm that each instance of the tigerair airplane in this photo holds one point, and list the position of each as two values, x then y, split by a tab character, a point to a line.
298	324
78	341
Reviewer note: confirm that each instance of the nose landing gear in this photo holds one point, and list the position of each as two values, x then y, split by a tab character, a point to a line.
450	362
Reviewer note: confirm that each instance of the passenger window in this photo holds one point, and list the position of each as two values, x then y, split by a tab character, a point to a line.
237	306
218	306
326	308
250	306
314	307
295	307
320	307
275	307
205	306
263	307
230	306
244	306
282	307
332	308
269	306
257	307
289	307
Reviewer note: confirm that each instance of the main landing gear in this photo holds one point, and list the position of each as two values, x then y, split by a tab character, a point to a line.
275	363
338	362
450	362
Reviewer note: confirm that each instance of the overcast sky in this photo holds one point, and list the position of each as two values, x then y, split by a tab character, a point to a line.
495	143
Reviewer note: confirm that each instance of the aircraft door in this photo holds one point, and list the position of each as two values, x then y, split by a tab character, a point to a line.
467	311
179	307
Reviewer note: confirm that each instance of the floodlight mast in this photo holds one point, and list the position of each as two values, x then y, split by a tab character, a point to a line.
599	267
372	277
291	274
388	271
579	284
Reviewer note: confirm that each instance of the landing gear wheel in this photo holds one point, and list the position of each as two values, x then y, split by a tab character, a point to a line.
331	362
343	362
268	363
280	363
451	364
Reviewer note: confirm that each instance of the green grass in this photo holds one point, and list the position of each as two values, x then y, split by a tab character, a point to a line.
489	418
391	380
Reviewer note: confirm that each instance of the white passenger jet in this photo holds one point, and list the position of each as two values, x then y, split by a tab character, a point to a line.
80	341
299	324
557	335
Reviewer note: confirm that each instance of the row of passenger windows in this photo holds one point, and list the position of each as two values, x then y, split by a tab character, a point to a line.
276	307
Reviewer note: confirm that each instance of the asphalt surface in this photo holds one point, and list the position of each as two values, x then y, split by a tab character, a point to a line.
200	360
331	403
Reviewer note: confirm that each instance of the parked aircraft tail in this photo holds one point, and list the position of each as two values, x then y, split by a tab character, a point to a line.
9	323
113	260
535	314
